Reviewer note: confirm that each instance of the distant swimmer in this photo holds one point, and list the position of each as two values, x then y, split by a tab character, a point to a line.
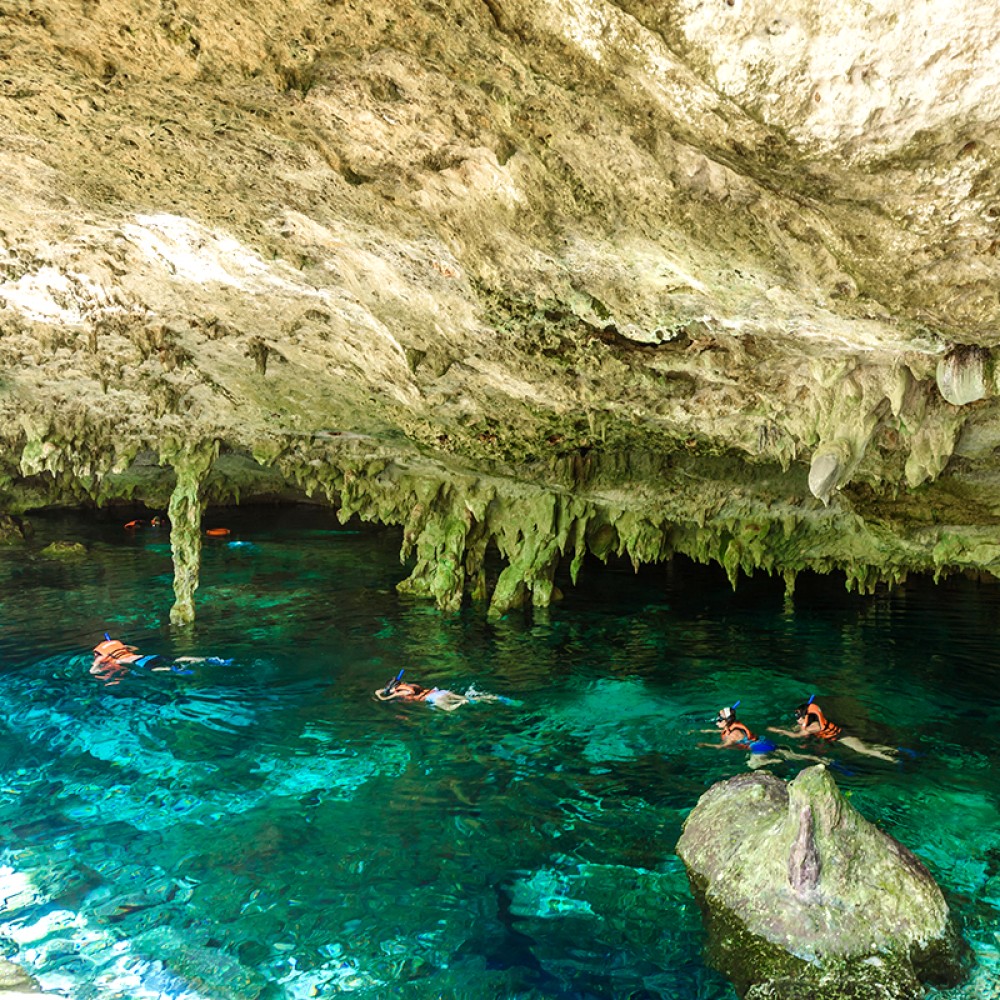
399	690
113	659
812	722
156	522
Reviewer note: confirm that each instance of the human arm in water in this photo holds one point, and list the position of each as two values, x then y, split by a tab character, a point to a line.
799	734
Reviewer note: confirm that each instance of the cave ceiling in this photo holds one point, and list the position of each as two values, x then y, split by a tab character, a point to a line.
555	277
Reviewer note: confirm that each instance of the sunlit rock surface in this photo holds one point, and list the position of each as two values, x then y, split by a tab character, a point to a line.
802	893
547	278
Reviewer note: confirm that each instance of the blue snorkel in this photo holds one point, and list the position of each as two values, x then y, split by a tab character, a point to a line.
391	686
107	637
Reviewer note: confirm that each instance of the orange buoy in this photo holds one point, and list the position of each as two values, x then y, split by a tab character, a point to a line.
217	532
132	525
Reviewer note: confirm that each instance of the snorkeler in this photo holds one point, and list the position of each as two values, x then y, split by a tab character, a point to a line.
399	690
735	734
812	722
112	659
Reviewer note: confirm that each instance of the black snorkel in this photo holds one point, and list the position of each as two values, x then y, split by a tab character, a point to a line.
393	684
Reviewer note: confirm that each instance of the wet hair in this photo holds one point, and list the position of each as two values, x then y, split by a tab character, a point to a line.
726	714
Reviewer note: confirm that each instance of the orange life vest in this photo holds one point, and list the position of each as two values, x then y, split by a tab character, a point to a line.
737	727
827	730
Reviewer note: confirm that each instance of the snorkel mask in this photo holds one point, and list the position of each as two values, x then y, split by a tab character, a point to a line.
728	713
393	684
804	709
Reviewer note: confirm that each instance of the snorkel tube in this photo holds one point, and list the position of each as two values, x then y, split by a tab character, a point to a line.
804	707
727	713
393	684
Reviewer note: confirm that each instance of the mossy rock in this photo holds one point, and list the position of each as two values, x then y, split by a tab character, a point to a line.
802	896
64	550
13	529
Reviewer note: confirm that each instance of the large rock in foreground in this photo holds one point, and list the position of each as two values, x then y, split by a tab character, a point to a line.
805	897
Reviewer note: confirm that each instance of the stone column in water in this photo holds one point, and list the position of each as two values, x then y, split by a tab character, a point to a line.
192	465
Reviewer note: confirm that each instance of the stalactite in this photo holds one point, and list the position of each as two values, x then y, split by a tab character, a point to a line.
191	464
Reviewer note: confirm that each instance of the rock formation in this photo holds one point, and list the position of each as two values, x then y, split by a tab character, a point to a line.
544	278
802	893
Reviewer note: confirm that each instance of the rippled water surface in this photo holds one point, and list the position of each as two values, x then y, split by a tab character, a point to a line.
266	828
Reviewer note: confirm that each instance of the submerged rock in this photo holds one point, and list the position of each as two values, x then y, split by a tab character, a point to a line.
801	893
13	977
12	529
64	550
16	984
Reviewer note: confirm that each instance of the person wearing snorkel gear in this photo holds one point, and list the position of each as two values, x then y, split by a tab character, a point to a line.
811	721
733	733
736	735
112	659
399	690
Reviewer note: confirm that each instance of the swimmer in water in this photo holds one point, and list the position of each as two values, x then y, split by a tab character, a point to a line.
113	658
399	690
811	721
735	735
732	732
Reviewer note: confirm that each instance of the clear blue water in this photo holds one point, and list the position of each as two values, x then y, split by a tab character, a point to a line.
268	829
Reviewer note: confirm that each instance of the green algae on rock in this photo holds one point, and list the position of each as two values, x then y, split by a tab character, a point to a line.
64	550
801	893
12	529
186	507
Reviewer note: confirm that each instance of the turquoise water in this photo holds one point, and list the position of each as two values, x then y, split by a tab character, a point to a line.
268	829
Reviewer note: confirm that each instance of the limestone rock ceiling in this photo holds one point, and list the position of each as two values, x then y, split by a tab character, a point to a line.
555	276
